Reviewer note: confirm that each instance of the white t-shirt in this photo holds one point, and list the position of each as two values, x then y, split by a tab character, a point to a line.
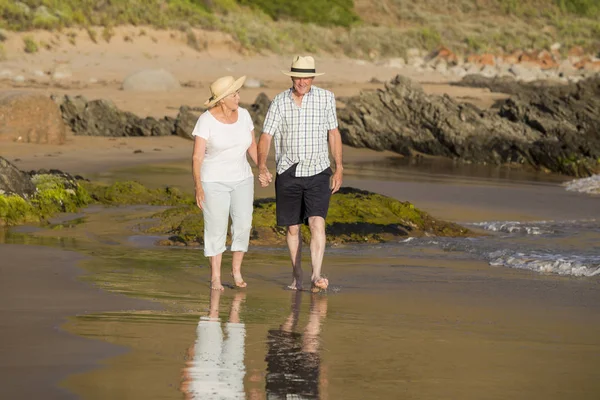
226	146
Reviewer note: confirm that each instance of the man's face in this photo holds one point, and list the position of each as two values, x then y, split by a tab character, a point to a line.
302	85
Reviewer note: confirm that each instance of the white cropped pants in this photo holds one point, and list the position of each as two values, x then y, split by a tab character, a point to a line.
221	200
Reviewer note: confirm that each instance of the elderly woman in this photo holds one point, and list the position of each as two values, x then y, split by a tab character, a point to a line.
224	182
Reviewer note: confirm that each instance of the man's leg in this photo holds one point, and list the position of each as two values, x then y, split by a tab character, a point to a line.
316	203
294	242
317	250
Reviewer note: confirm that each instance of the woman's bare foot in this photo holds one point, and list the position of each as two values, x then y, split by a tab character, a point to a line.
238	281
297	282
296	285
216	285
319	284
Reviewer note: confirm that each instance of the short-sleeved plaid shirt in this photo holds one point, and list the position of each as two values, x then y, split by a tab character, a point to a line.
301	133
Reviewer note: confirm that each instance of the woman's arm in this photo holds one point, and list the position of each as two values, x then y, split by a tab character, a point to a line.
197	159
252	149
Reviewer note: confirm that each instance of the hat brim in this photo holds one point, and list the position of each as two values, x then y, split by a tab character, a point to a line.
237	84
302	74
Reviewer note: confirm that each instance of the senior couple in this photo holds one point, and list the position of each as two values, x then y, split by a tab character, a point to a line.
302	121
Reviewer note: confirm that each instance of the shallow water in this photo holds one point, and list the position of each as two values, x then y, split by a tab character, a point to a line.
511	314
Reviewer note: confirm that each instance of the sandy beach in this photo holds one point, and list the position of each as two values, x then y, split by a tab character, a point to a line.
418	319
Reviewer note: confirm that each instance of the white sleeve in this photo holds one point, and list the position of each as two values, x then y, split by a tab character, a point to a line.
249	122
202	129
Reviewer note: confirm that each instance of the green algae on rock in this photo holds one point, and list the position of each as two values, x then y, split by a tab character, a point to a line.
54	194
355	216
130	192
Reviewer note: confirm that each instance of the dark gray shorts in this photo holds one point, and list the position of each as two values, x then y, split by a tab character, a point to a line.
298	198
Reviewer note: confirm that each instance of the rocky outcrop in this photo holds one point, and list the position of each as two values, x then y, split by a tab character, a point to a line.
30	118
14	181
103	118
552	128
568	118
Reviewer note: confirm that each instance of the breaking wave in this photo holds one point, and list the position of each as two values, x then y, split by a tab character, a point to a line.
589	185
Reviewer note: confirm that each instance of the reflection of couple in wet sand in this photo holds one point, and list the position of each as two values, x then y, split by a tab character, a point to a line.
293	361
216	369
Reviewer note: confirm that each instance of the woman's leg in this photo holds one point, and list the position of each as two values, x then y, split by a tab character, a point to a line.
216	216
242	198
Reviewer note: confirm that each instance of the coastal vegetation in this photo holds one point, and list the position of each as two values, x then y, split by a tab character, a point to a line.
355	215
362	29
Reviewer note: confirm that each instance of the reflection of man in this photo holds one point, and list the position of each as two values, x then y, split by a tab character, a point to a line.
293	361
216	369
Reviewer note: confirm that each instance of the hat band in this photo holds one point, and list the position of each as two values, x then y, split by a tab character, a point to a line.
305	70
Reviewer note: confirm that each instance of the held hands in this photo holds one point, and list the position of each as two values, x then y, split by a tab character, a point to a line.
200	197
265	177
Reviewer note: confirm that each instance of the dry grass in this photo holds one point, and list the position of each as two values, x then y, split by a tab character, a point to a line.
387	28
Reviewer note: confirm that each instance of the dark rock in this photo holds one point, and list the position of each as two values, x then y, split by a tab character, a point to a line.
568	118
103	118
537	127
185	122
503	84
14	181
258	111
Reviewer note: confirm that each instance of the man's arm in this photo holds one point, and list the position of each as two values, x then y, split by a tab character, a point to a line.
335	145
264	145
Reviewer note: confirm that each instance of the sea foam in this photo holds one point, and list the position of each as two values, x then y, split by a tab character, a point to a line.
589	185
547	263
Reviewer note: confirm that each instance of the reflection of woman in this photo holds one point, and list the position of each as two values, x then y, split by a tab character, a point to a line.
216	369
293	361
223	179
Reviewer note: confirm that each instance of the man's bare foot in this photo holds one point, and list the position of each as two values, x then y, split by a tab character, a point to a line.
319	284
238	281
216	285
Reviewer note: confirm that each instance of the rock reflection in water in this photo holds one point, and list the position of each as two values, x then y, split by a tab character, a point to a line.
293	360
216	368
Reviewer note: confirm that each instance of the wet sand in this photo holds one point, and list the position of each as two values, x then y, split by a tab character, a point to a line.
39	291
418	323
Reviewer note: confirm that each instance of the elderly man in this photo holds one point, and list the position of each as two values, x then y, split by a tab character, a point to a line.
302	120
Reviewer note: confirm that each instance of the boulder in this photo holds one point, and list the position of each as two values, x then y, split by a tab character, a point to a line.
151	80
185	122
30	117
14	181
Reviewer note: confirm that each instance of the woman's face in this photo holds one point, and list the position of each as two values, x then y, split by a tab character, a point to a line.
232	101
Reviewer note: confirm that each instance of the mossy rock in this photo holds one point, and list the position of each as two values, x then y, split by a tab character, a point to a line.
130	192
355	216
55	193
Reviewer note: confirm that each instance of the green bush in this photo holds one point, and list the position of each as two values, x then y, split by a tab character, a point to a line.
320	12
587	8
30	45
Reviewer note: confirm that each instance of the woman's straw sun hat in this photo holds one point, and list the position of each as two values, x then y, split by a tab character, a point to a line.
222	88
